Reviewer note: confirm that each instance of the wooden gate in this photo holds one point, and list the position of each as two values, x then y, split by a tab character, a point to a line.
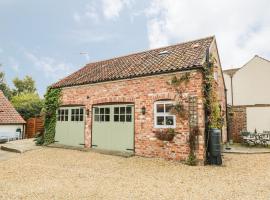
33	126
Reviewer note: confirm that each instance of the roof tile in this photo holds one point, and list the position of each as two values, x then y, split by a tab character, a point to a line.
182	56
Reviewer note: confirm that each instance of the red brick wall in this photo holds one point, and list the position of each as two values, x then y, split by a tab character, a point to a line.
237	122
144	92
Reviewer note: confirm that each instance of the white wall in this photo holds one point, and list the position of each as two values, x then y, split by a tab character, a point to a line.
251	83
9	129
259	118
227	80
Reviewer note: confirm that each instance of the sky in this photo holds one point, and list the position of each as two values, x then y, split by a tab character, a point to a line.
45	38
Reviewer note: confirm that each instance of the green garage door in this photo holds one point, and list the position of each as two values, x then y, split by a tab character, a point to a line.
113	127
70	126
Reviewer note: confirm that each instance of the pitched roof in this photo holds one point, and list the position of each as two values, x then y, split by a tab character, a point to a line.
8	114
177	57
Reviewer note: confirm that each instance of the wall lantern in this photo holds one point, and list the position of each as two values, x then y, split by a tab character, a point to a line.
143	110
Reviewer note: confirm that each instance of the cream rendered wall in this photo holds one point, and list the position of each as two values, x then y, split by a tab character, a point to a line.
227	80
9	129
251	83
258	118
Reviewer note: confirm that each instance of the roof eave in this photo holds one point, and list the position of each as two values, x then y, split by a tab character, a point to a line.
194	67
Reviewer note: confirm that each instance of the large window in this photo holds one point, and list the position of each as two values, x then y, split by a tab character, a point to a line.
163	116
122	114
62	115
102	114
77	114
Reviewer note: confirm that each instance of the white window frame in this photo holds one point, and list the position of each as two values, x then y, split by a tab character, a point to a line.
156	114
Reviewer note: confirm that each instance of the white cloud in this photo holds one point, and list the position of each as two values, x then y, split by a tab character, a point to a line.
49	66
112	8
84	36
242	27
13	64
90	13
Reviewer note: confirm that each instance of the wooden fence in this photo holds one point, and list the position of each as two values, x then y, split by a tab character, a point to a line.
33	126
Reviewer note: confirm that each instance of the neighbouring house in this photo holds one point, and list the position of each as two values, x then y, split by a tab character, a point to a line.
121	103
248	97
11	122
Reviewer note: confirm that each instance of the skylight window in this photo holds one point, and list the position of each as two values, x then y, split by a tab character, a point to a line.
163	53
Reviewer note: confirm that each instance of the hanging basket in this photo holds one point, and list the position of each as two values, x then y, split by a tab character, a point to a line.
165	135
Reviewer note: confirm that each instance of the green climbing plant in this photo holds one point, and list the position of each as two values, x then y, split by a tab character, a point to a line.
212	107
52	102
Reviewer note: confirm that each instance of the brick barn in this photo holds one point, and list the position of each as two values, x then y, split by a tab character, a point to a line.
121	103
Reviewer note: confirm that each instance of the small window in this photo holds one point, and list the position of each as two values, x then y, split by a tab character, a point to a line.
62	114
101	114
163	117
77	114
122	114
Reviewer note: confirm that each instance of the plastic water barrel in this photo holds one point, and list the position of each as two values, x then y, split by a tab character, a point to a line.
215	146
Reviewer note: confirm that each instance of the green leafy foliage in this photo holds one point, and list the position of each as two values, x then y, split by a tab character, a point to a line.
39	140
27	104
52	102
4	87
26	85
212	107
191	160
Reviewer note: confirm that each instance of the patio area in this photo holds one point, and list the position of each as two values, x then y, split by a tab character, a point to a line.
52	173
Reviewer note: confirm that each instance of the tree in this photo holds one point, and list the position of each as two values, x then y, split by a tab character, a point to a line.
26	85
27	104
3	86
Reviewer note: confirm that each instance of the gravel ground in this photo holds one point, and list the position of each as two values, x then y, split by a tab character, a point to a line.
69	174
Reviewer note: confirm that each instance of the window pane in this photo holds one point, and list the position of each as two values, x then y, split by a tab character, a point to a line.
169	120
66	112
66	118
72	118
72	111
160	120
168	107
81	118
77	111
101	110
96	118
62	117
122	110
81	111
58	112
107	118
58	118
116	118
101	118
76	117
128	118
122	118
128	110
96	110
116	110
107	110
62	112
160	108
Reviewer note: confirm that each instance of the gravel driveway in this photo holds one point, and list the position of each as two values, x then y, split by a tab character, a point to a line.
69	174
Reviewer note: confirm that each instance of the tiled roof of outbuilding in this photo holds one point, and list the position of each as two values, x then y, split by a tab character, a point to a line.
177	57
8	114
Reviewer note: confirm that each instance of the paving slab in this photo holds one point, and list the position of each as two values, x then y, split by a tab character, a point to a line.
20	146
242	149
106	152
